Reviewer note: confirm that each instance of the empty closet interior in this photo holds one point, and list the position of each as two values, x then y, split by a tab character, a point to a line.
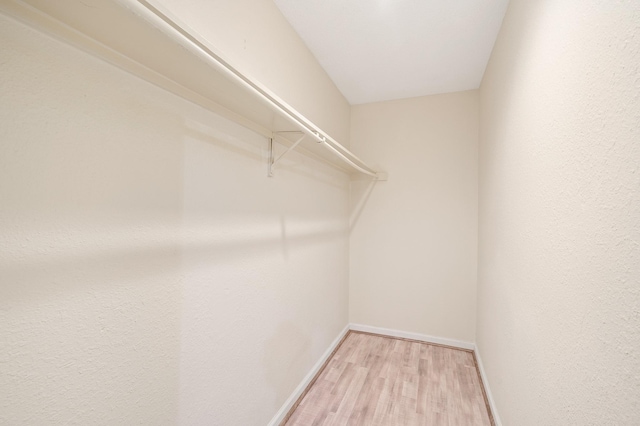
193	216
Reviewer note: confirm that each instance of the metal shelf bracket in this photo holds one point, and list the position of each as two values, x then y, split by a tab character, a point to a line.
272	160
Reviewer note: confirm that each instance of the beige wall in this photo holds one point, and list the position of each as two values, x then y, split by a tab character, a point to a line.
414	238
258	40
559	265
150	272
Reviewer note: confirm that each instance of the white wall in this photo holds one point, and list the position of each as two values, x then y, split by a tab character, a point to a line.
559	266
414	238
150	272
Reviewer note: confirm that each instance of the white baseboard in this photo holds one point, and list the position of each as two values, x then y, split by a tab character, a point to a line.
413	336
487	389
284	410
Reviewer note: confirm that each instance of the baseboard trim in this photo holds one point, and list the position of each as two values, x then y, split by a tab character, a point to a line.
305	384
487	388
413	336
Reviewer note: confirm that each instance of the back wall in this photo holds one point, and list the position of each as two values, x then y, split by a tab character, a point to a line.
413	242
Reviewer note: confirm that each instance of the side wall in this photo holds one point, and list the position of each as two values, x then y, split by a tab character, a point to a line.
559	265
414	238
150	272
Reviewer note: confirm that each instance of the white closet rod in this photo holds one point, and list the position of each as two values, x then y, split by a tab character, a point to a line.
353	164
188	38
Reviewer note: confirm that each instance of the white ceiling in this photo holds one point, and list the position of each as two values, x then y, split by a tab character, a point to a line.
377	50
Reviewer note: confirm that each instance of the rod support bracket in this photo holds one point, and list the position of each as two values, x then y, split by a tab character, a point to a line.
272	159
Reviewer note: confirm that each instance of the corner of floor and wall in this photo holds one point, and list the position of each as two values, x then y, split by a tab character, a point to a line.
151	273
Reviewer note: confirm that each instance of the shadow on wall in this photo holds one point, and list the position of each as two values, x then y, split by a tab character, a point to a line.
70	255
360	192
287	357
42	274
102	258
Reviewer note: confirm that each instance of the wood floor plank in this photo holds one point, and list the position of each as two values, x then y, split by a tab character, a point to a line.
383	381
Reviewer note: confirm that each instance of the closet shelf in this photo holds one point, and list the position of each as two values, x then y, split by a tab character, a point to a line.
145	40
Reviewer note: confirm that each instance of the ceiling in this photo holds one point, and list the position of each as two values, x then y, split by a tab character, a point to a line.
376	50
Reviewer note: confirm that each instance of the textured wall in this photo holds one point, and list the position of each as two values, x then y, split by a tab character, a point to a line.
559	265
150	272
413	245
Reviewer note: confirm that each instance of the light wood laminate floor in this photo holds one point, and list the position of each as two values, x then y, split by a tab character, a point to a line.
383	381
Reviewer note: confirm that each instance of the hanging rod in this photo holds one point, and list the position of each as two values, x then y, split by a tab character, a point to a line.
189	39
353	164
143	38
